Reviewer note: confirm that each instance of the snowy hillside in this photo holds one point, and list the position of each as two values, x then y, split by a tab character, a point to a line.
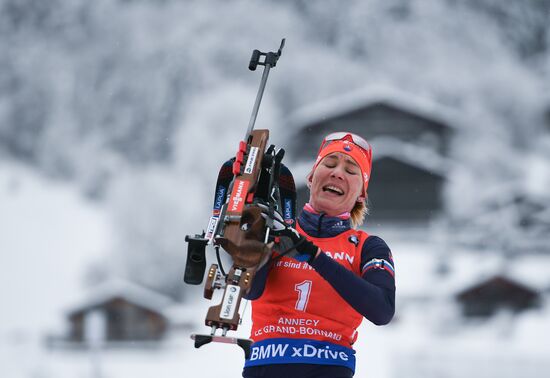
49	236
152	122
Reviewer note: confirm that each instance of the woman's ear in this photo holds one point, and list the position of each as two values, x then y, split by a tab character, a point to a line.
361	199
309	179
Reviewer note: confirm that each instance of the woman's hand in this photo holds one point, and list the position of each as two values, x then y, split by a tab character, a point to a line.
296	246
287	240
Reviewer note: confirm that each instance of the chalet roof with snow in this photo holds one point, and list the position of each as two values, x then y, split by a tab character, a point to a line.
122	289
465	270
472	269
341	105
505	280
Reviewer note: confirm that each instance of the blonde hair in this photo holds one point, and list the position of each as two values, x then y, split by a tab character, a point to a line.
358	213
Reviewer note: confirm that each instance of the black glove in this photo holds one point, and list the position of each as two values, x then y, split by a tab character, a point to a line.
290	242
299	248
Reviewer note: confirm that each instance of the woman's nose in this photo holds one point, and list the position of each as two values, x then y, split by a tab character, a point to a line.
337	172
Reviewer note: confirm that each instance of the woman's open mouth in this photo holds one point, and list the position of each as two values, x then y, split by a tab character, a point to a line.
333	189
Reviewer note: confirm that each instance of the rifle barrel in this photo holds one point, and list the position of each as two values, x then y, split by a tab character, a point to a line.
257	103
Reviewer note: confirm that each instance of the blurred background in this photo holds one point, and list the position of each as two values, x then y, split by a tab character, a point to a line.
115	116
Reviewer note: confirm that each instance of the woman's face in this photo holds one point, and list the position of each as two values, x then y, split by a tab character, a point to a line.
336	184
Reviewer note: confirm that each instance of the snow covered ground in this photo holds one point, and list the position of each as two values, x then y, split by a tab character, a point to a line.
49	235
404	349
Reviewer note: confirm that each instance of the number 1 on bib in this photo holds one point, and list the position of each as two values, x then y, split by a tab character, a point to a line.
303	289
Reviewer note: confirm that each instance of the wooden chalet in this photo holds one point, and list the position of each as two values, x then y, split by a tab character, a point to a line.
119	311
410	139
496	293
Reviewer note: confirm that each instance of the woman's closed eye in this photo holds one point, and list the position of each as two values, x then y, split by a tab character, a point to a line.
349	170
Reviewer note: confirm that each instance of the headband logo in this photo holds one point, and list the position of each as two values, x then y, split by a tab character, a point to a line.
347	146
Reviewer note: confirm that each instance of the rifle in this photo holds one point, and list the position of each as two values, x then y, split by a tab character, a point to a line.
252	177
